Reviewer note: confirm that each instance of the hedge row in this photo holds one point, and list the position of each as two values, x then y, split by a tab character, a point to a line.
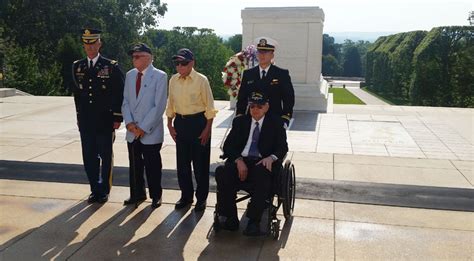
434	68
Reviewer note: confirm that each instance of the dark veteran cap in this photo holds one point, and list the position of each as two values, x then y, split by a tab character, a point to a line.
265	43
140	47
257	98
184	54
90	36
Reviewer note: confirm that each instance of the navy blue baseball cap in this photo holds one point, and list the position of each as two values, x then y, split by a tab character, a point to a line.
257	98
140	47
184	54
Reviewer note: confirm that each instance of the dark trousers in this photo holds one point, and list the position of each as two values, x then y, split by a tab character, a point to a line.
258	184
144	158
190	151
98	160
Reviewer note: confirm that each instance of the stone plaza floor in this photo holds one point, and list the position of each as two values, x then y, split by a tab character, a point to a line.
356	171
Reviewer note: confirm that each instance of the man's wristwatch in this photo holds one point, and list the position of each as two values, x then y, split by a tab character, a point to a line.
237	159
275	158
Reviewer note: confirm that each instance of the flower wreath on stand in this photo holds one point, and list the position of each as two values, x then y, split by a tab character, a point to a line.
234	68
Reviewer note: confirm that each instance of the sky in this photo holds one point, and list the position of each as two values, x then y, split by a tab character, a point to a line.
340	15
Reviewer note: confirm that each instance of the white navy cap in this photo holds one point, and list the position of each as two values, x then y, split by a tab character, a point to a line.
266	43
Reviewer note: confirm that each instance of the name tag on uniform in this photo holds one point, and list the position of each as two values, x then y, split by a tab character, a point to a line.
274	81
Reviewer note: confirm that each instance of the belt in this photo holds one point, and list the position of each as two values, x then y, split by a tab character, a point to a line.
189	116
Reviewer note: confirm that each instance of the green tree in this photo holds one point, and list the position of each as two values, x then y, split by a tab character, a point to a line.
69	50
23	72
330	47
443	64
401	62
379	70
42	25
330	66
352	64
210	52
363	46
234	43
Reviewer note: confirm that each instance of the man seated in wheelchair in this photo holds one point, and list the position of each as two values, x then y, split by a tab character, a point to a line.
255	145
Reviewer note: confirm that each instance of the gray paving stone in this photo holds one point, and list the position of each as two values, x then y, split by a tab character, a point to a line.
400	175
427	218
362	241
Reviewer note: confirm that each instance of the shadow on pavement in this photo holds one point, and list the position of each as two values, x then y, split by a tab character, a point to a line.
52	239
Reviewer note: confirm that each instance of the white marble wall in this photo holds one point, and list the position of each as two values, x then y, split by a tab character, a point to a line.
298	31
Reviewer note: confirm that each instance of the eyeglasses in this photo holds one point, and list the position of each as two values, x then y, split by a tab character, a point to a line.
137	56
256	106
182	63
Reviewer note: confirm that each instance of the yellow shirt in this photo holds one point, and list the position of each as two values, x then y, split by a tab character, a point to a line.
190	95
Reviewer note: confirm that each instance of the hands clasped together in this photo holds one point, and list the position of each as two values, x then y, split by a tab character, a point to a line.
137	131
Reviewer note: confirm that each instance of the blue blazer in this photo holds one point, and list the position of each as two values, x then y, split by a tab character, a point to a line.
147	109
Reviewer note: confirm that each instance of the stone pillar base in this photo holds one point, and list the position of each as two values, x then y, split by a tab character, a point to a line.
7	92
311	98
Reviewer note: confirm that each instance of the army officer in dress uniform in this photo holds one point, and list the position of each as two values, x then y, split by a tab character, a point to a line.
98	95
269	79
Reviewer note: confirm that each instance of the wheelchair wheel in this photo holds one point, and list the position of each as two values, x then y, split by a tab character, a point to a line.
288	189
275	229
216	225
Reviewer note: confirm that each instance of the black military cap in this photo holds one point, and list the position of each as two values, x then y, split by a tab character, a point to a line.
90	36
140	47
184	54
257	98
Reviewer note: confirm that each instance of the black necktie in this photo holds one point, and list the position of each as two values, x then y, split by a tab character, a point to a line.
263	74
91	64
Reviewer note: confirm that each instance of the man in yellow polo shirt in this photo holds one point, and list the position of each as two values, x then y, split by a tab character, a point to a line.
191	105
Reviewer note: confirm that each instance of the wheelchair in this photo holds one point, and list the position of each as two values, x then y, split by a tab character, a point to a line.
282	195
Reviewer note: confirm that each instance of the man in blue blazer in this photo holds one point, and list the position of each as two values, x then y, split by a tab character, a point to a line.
143	107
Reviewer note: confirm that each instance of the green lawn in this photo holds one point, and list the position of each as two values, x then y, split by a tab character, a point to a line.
343	96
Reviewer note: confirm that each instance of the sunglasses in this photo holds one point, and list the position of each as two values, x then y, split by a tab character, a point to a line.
137	56
258	106
182	63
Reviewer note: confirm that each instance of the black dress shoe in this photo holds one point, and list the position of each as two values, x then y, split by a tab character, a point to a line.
200	206
253	229
182	203
231	224
102	199
156	203
131	201
92	198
